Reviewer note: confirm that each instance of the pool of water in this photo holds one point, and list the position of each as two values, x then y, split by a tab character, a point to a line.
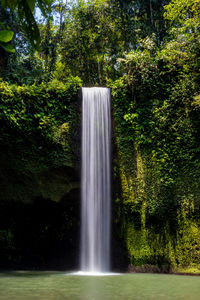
59	285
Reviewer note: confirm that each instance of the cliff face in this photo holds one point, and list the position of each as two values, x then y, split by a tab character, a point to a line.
156	174
40	176
157	167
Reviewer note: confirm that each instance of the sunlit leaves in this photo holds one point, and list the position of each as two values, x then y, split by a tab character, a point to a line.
182	10
184	15
91	42
6	36
182	50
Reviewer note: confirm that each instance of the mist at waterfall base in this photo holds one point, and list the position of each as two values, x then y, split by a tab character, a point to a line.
95	182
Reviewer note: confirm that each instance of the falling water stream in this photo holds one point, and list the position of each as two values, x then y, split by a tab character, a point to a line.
95	211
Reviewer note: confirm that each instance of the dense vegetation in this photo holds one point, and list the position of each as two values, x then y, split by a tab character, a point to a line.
148	53
39	157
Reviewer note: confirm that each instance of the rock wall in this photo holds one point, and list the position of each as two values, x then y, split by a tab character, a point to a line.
39	177
156	179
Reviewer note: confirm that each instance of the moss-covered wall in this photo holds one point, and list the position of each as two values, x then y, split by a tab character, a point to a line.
157	164
39	175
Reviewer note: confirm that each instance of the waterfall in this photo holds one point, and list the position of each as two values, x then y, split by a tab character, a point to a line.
95	180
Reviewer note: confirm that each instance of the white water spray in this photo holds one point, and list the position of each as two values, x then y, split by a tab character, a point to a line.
95	177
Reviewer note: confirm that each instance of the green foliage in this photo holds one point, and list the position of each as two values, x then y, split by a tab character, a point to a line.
24	106
138	19
25	10
6	36
43	110
183	48
90	42
183	12
156	112
84	38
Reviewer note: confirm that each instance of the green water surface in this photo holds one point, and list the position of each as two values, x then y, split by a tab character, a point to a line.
60	285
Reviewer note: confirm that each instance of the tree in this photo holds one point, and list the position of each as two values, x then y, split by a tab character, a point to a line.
182	47
91	42
139	18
